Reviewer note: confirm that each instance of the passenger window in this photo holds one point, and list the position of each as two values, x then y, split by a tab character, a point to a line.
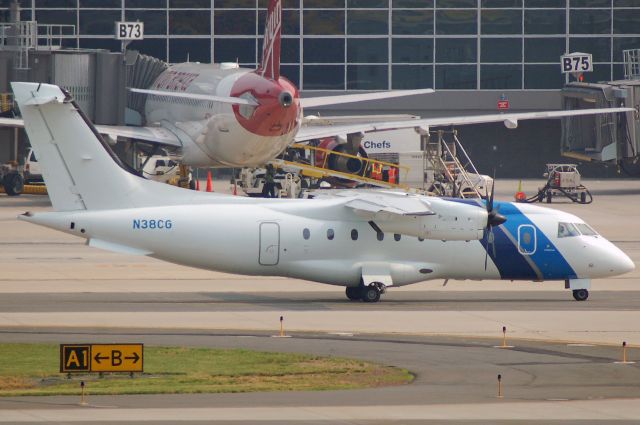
421	239
397	237
585	229
566	230
354	234
330	234
306	234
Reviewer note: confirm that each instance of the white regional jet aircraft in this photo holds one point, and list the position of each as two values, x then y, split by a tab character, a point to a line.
222	115
364	241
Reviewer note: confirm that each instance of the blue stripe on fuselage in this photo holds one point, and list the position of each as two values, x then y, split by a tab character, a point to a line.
547	262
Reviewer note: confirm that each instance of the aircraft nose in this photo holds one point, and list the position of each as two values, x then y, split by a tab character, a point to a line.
615	261
626	264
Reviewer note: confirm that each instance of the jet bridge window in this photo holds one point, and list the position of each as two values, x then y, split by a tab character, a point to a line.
566	230
585	229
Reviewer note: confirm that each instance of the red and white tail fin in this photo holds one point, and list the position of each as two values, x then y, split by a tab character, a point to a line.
270	64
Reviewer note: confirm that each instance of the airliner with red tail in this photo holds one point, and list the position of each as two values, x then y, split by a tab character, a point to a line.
222	114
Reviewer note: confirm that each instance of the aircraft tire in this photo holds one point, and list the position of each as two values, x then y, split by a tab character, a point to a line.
370	294
13	184
353	293
580	294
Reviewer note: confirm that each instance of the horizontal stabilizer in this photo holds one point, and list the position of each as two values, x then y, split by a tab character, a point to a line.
43	100
313	102
193	96
159	135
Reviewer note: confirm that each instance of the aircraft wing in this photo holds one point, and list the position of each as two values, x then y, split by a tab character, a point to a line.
314	102
11	122
379	205
194	96
157	135
510	120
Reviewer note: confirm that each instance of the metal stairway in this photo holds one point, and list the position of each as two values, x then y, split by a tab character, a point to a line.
449	167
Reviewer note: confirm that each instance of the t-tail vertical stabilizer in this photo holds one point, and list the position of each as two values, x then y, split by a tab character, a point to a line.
270	64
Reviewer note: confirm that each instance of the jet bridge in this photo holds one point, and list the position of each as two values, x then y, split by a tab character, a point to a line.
606	138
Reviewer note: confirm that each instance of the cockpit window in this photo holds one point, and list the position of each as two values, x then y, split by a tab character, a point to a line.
566	230
586	230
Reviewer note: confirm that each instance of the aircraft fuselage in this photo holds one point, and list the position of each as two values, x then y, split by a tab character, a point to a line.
323	241
221	133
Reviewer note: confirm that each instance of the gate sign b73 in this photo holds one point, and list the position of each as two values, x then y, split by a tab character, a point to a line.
129	30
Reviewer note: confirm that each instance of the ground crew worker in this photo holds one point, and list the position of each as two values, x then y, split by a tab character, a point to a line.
269	188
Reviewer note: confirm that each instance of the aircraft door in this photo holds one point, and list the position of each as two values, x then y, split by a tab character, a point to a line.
269	254
527	239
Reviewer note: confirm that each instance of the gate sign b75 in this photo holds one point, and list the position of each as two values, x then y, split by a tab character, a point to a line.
576	62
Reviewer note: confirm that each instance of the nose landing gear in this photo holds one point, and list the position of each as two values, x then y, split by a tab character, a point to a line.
580	294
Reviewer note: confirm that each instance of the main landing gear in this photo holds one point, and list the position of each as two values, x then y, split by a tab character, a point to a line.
580	294
368	294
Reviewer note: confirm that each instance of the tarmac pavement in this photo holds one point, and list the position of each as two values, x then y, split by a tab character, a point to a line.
55	289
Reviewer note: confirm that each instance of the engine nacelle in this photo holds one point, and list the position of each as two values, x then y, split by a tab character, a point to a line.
337	162
452	221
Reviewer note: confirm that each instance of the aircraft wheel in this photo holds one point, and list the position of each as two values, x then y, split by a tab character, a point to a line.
353	293
371	294
13	184
580	294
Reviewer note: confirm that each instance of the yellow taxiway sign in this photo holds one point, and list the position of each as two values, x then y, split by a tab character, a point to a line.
101	358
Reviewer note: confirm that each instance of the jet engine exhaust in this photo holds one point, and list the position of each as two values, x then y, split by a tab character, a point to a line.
285	99
344	164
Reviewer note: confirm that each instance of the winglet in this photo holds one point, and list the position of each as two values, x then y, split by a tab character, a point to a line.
270	64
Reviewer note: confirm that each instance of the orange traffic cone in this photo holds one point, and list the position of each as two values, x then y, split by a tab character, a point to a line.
520	195
209	182
235	189
198	185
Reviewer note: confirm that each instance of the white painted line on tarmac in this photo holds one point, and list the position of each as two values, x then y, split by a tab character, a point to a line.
599	410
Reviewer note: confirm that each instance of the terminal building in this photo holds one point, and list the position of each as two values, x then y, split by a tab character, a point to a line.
473	52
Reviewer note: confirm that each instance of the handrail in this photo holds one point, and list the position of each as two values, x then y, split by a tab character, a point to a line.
461	169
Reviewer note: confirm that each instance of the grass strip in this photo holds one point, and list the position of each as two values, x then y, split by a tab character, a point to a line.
32	369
